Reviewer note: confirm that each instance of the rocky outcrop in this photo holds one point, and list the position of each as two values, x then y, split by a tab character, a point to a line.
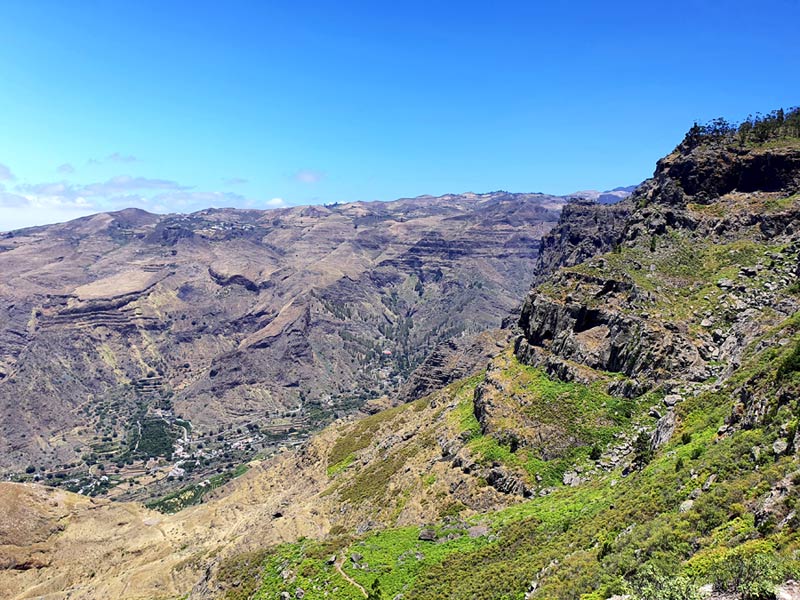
600	317
665	427
235	279
704	173
603	335
585	229
452	360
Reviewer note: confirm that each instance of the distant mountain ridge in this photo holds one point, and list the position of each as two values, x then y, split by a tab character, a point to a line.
607	197
257	326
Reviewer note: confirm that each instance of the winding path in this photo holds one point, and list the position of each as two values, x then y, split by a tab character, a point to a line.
347	577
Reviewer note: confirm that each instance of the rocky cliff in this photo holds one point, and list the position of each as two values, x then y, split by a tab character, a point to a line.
661	246
586	229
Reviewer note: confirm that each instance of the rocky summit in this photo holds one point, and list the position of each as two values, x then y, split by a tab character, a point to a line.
631	431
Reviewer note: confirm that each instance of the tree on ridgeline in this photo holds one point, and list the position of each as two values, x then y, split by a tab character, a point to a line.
754	130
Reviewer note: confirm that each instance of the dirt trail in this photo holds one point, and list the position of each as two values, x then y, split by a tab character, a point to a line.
347	577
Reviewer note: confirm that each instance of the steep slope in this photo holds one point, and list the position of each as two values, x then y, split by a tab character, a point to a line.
227	331
399	467
648	410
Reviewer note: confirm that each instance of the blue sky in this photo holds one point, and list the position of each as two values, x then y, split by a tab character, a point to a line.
174	106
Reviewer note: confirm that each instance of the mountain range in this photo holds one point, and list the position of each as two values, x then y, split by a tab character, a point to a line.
231	332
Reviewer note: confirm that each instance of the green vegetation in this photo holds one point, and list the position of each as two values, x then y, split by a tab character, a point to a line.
791	363
392	558
341	465
652	584
752	569
193	494
307	567
613	534
778	126
157	438
245	571
359	436
585	414
375	590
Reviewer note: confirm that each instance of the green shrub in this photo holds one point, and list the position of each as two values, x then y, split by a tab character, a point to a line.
750	570
790	364
595	453
375	590
652	584
642	452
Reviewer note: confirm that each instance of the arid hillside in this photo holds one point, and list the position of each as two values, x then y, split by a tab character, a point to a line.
125	337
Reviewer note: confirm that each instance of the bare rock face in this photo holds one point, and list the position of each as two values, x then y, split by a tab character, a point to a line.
452	360
664	430
705	173
586	229
605	337
279	319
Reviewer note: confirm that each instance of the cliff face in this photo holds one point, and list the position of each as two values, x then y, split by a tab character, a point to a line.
452	360
607	312
706	172
585	229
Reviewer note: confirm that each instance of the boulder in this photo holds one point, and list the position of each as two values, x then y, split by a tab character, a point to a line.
709	482
664	430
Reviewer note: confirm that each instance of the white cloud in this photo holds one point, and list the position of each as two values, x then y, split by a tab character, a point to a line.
121	158
46	189
308	176
121	184
114	157
190	201
66	169
6	174
28	204
126	183
9	200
